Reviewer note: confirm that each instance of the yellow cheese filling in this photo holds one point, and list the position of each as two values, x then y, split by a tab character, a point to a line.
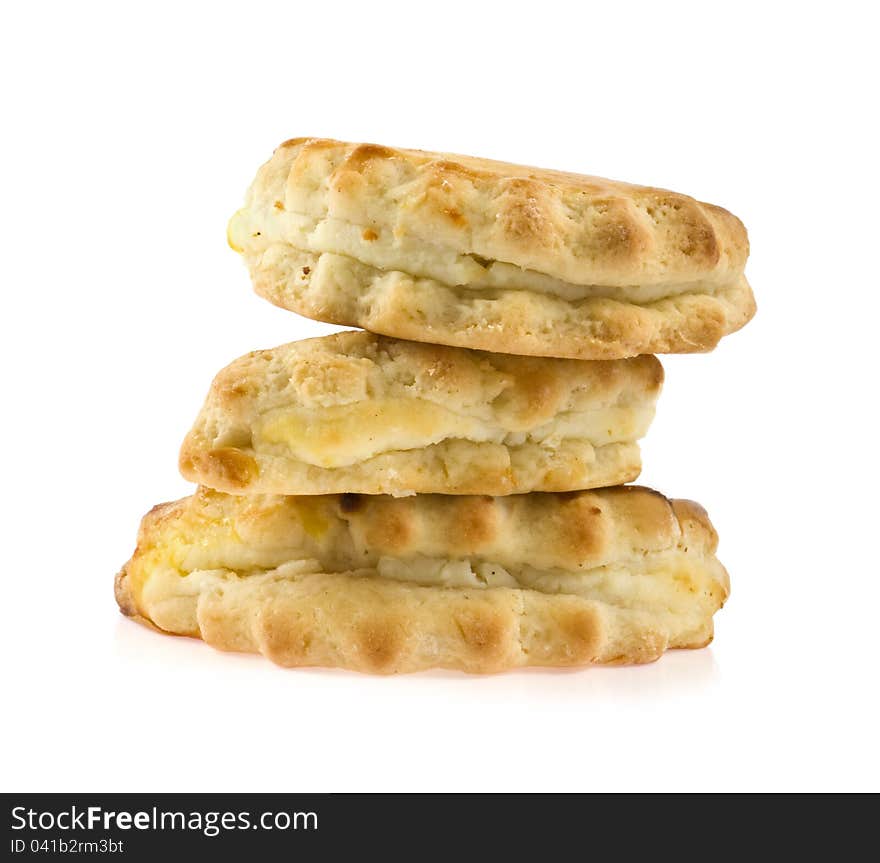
342	435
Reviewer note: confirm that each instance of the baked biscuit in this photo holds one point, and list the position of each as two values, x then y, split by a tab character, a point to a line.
474	253
383	585
356	412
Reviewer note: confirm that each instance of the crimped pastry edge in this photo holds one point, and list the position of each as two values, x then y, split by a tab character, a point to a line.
396	627
299	616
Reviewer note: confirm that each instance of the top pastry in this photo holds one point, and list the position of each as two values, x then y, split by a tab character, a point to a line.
475	253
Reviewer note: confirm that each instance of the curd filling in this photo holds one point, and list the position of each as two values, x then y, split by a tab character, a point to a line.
423	259
446	573
674	585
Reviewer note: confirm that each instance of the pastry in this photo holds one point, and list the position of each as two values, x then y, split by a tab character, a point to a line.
356	412
475	253
382	584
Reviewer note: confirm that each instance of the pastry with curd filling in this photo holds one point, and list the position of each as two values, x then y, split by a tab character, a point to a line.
356	412
382	584
475	253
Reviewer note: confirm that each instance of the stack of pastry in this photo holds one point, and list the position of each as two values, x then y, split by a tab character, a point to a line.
447	489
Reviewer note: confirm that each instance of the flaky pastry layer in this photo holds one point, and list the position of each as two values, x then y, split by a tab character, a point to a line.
482	254
383	585
356	412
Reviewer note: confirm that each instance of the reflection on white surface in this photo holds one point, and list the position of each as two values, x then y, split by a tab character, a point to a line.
677	672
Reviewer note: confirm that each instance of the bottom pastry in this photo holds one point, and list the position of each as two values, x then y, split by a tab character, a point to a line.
383	585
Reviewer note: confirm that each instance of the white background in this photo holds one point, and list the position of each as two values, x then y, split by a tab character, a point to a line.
129	139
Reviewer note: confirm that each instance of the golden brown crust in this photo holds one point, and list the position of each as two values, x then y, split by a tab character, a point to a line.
580	229
356	412
488	255
387	585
